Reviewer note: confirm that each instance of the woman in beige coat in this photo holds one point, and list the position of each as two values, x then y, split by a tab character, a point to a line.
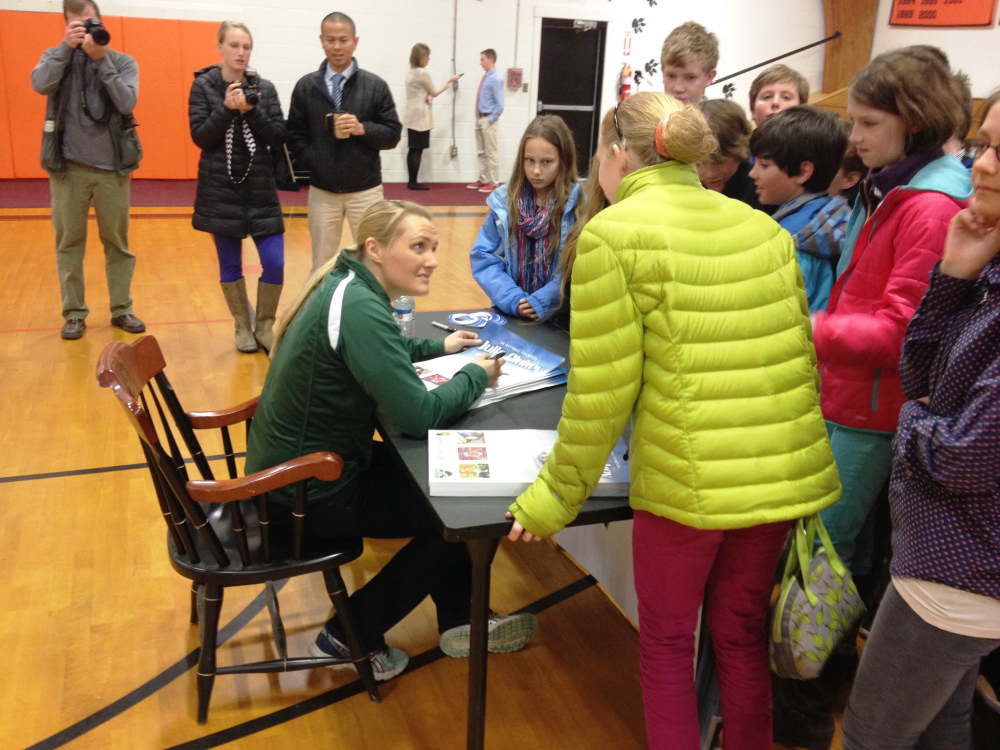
417	117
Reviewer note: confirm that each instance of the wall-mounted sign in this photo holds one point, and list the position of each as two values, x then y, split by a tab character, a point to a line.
942	12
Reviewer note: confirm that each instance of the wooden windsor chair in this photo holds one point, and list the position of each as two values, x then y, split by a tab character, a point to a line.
218	530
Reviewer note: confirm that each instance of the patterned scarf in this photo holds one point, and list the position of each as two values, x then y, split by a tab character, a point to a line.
533	259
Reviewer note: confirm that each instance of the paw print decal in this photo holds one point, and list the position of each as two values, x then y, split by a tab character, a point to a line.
638	24
651	3
728	90
651	67
637	77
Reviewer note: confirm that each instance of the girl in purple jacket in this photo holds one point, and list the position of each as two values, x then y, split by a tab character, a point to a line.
941	614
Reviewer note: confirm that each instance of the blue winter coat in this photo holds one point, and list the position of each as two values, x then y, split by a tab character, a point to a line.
493	261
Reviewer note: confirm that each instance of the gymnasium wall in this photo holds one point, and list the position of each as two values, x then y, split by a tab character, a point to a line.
172	38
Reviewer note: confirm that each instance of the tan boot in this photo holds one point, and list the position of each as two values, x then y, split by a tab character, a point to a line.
239	305
267	307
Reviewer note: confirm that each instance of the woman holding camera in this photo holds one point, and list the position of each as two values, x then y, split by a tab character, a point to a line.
236	120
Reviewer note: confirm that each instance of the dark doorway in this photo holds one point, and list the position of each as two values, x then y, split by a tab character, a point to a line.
570	71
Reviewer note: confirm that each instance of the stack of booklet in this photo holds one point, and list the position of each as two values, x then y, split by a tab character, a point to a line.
504	463
527	367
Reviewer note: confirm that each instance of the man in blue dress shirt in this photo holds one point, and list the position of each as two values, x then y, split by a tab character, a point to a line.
489	106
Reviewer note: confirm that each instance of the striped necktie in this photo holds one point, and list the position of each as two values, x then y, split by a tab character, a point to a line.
336	88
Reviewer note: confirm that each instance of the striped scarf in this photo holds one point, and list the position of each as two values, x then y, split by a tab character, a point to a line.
532	259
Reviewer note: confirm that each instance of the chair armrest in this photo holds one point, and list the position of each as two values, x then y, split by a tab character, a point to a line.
209	420
326	466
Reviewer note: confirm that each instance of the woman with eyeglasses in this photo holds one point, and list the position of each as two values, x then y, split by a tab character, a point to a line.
688	315
941	613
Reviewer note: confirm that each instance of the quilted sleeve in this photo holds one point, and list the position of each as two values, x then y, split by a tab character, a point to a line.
604	381
876	339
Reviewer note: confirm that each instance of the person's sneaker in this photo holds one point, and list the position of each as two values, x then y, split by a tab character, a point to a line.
73	329
475	185
505	634
487	188
387	662
128	322
416	186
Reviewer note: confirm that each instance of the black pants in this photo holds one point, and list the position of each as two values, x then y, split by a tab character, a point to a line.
381	503
413	156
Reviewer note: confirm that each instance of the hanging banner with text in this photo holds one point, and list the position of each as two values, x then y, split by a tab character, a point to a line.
942	12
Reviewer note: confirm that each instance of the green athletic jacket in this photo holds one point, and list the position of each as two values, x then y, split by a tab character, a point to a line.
342	358
689	315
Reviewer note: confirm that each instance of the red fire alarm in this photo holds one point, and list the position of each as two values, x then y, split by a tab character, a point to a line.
514	76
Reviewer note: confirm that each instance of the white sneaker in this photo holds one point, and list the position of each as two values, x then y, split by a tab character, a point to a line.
504	634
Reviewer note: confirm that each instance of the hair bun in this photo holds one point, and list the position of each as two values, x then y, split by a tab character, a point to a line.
686	136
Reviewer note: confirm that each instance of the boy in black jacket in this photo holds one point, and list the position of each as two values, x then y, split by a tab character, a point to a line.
339	119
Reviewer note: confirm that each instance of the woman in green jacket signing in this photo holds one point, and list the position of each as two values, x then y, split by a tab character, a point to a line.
338	356
689	316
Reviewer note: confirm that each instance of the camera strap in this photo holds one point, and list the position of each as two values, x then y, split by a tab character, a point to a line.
88	74
251	149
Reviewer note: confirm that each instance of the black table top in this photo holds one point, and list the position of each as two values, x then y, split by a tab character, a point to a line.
472	517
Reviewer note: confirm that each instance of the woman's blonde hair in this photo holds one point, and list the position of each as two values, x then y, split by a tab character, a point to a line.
227	25
684	137
418	54
553	129
383	223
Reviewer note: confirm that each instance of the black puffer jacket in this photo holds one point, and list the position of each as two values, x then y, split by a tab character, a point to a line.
347	165
221	207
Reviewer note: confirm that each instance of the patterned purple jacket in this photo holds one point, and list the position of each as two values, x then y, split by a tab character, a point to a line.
945	491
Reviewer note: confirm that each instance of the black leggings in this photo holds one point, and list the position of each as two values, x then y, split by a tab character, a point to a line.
413	162
381	503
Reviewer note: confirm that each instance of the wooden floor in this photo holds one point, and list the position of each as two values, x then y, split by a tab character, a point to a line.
93	622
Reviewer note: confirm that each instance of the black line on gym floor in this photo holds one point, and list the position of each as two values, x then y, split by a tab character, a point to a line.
98	470
163	679
343	692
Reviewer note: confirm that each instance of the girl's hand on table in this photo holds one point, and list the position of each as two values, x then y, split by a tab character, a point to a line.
492	367
460	340
517	531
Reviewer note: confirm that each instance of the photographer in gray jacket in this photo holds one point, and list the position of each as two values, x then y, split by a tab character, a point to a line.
89	149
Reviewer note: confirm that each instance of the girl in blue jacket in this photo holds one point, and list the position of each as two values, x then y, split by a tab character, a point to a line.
515	258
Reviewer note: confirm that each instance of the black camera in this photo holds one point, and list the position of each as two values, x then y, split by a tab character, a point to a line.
251	86
98	33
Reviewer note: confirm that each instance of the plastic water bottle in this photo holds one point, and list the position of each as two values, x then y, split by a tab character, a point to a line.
402	311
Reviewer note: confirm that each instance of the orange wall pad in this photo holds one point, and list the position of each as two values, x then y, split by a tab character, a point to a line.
165	75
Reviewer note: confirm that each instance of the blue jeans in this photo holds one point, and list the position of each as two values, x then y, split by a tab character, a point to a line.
915	684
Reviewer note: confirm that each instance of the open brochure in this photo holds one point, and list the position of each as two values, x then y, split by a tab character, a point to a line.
504	463
527	367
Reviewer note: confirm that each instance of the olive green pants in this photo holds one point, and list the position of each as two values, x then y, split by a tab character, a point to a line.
71	196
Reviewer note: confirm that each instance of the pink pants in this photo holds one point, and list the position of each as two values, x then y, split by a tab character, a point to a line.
676	568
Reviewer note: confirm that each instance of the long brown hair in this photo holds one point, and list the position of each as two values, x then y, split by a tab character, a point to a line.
382	223
552	129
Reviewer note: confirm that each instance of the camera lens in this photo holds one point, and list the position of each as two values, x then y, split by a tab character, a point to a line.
97	32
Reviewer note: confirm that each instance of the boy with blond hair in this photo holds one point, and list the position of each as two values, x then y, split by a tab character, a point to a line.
778	87
688	60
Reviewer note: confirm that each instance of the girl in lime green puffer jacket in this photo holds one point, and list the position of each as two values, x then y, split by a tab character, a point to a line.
689	316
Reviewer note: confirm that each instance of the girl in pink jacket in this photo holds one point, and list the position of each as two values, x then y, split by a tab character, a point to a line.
904	107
